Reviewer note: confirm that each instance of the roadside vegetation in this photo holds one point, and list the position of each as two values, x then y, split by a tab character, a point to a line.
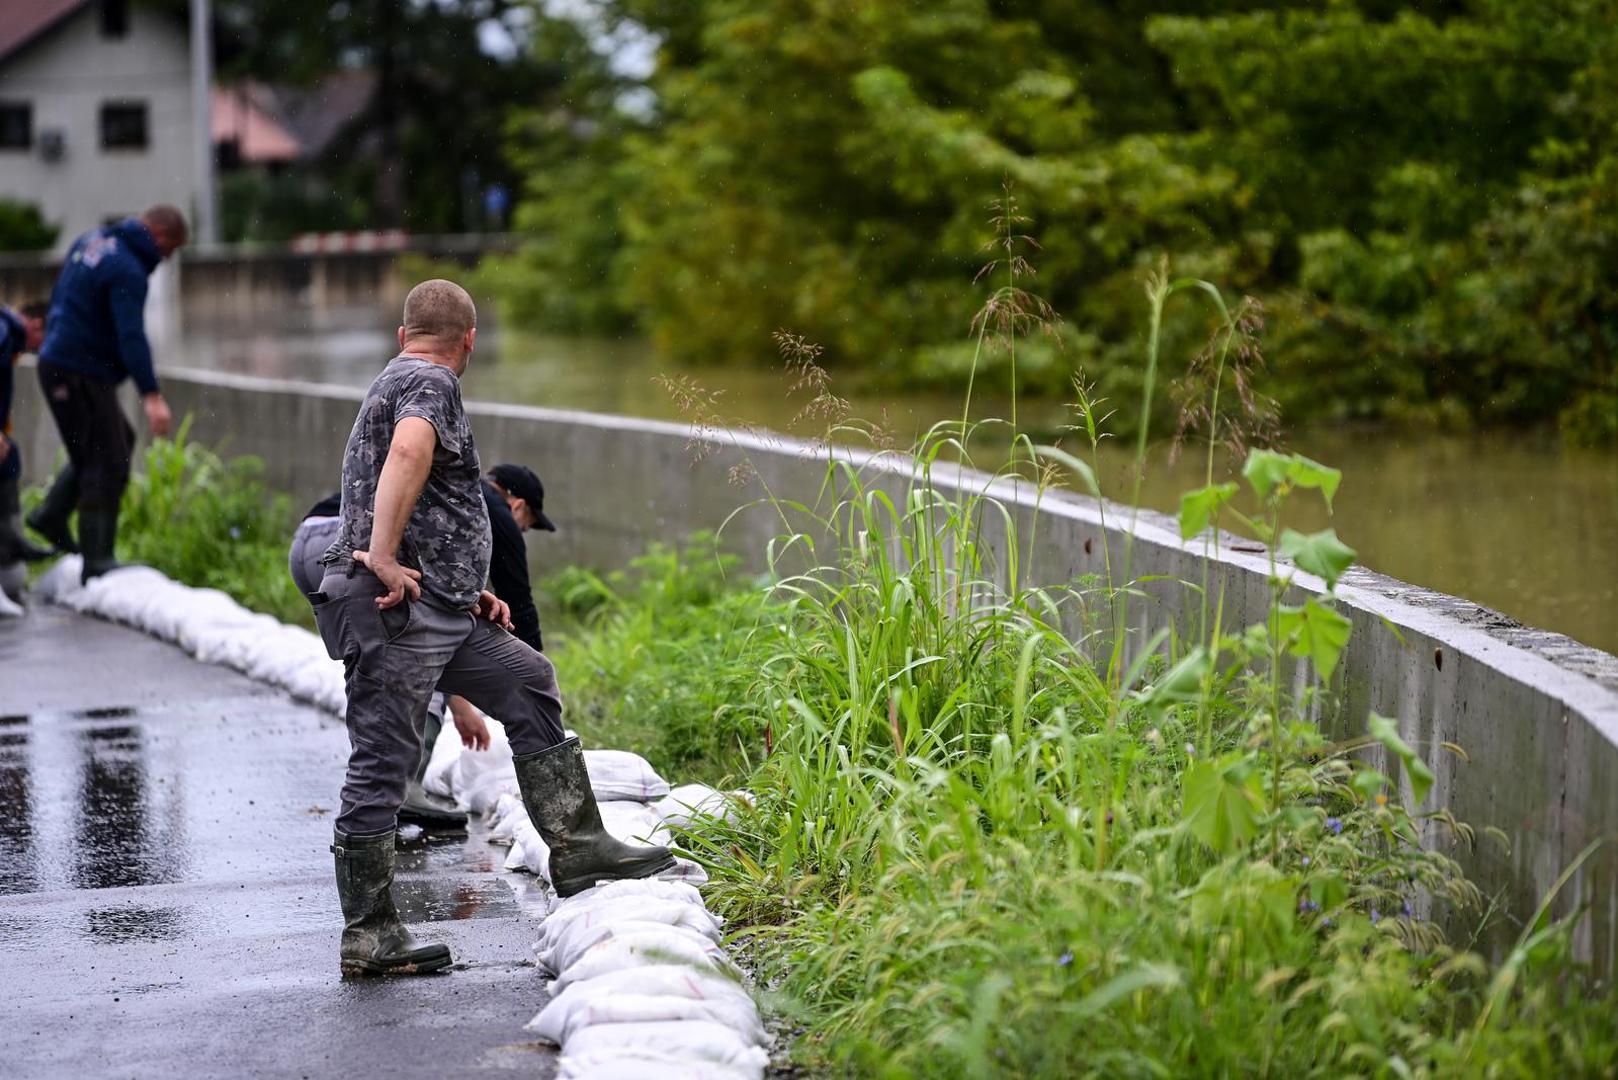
210	522
984	845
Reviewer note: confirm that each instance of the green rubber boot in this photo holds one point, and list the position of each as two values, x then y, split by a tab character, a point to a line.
49	519
556	792
420	807
375	942
98	537
14	545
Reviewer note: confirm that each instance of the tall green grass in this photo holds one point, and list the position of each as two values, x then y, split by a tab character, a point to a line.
211	523
985	846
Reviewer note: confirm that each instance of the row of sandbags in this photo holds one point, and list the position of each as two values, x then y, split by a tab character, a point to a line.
642	987
206	623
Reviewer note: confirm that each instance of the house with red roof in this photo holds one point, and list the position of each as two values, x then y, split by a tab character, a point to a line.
97	118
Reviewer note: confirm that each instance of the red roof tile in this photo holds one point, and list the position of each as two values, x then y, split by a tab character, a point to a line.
21	21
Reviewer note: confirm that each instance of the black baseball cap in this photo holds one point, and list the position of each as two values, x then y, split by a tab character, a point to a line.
520	481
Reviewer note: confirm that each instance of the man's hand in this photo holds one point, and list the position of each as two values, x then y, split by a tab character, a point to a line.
469	724
158	417
491	607
400	580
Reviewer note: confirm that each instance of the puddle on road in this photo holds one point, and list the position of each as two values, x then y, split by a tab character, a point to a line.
118	925
436	899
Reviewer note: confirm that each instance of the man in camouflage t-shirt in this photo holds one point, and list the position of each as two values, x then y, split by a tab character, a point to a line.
402	604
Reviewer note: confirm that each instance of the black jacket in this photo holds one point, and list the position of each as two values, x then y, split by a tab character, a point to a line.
508	568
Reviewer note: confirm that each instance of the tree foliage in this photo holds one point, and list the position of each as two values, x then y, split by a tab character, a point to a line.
1420	192
431	136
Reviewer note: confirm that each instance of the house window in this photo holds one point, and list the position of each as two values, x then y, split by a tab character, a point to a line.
123	125
16	125
114	18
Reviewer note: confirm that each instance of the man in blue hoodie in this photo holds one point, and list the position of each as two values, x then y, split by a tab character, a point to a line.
95	338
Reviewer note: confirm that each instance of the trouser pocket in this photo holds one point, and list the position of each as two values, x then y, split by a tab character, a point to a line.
331	619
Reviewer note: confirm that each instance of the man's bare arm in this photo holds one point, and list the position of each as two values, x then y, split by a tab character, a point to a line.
404	474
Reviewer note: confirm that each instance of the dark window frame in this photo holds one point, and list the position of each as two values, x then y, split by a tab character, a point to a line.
24	109
126	124
114	18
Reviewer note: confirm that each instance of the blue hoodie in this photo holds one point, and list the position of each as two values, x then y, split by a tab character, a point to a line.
97	320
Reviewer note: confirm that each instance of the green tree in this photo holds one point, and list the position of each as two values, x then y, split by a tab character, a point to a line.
1420	192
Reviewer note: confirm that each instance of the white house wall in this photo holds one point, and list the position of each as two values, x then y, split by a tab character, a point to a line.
67	75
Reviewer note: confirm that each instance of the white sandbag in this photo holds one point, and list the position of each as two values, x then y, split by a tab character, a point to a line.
631	822
61	580
529	850
644	887
688	1040
9	608
676	980
685	870
619	774
567	1015
638	1065
644	949
630	908
480	795
507	813
679	806
558	952
445	753
480	777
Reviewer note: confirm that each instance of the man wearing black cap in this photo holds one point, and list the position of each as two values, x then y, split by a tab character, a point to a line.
516	502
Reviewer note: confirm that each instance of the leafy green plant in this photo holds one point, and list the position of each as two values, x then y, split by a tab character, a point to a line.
210	522
982	847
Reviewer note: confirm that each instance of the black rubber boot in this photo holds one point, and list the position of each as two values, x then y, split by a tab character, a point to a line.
432	813
98	536
49	518
435	814
375	942
556	792
14	546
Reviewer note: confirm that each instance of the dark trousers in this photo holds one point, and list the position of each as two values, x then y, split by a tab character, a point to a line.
395	659
100	443
309	544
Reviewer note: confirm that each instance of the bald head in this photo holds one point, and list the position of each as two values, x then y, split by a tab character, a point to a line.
439	309
439	319
167	226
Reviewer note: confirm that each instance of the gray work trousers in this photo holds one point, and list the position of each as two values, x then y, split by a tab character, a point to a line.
394	658
309	544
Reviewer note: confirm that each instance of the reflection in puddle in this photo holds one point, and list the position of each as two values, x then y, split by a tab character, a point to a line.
118	841
116	712
436	899
19	871
116	926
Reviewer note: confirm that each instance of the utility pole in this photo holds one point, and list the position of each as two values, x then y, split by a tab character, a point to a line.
205	228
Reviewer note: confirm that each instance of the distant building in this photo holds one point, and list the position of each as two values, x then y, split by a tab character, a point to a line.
257	125
96	116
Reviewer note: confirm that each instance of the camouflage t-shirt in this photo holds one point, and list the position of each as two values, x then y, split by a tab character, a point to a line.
447	537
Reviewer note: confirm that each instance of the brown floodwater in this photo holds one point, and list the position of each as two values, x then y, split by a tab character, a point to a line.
1516	522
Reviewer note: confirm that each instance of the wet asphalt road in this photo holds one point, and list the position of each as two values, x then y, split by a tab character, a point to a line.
166	897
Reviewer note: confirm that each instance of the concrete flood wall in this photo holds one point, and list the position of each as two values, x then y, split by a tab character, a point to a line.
1535	713
232	283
